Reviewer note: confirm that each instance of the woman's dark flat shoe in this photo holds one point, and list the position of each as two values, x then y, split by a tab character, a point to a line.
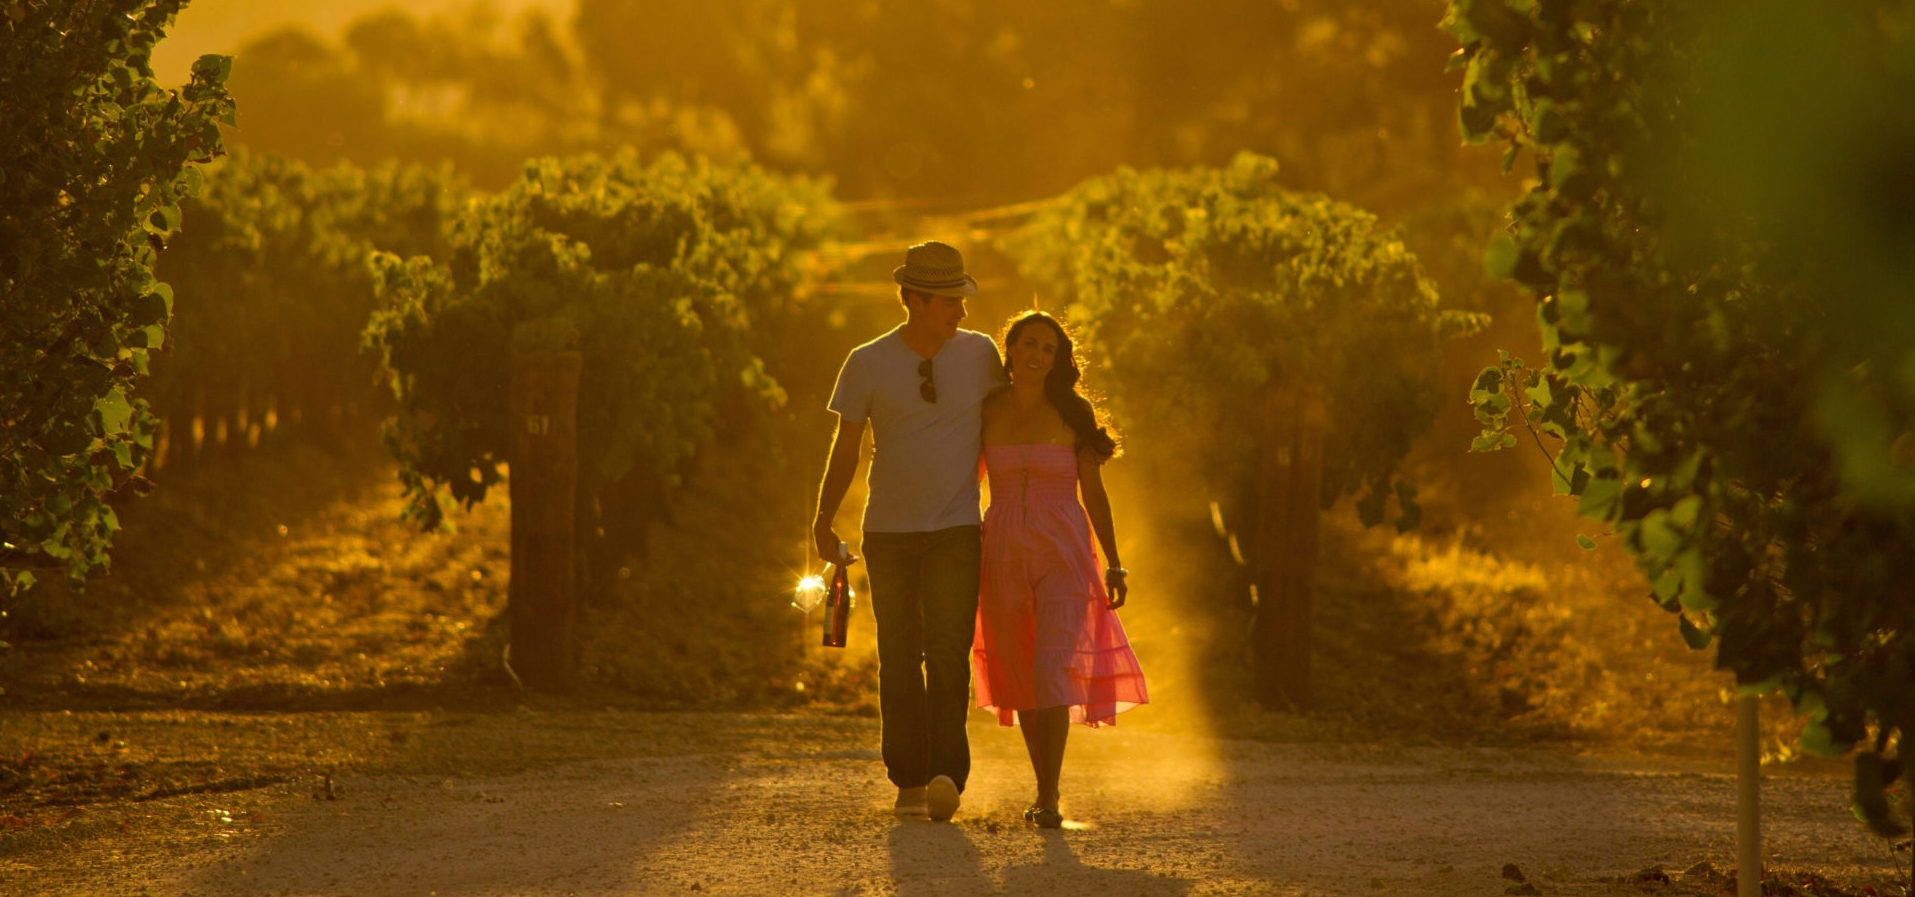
1043	818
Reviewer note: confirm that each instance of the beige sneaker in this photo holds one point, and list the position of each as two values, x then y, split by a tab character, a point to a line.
910	802
941	798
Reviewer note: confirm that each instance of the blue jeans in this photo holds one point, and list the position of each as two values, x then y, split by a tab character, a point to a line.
924	595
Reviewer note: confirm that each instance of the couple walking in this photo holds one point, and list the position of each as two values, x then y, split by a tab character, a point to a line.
1021	598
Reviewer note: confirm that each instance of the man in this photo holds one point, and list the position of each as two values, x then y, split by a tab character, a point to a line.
921	387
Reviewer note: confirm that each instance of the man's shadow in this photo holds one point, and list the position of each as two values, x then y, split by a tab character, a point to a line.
1062	873
942	860
929	858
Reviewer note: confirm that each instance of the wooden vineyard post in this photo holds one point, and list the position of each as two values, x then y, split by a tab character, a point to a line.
1748	815
541	602
1290	476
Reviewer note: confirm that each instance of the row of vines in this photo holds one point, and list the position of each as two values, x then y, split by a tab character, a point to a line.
683	287
318	300
1722	301
1717	241
273	255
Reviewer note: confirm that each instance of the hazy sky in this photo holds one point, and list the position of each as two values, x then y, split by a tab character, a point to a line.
220	26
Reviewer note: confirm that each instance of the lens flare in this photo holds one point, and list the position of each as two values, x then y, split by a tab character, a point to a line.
809	593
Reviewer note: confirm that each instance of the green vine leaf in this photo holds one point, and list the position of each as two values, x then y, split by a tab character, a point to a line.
1492	442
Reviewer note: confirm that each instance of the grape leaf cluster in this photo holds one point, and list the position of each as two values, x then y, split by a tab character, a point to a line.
95	158
1717	246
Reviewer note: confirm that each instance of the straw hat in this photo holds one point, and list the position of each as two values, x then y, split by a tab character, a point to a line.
935	268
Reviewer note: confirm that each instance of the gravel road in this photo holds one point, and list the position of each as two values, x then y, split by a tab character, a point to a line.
770	804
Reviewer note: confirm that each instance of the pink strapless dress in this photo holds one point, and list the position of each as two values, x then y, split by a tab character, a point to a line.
1044	636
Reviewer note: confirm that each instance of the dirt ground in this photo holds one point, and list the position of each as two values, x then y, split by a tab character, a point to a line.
626	803
292	693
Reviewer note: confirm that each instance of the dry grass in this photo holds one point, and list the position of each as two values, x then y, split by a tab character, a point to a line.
1503	627
1487	625
283	579
1557	644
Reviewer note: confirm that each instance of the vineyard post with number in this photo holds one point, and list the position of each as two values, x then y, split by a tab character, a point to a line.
542	601
1290	471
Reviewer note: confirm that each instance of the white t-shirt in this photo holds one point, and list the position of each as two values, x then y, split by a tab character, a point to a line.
924	459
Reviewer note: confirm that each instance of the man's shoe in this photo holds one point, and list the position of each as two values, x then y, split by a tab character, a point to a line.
941	798
910	802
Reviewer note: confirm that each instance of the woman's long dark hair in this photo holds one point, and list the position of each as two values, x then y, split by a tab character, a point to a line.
1060	387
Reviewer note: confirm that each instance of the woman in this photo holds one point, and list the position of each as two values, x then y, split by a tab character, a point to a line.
1049	649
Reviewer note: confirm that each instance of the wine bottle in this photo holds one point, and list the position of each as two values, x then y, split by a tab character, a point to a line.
838	599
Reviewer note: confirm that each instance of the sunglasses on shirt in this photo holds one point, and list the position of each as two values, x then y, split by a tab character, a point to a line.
929	388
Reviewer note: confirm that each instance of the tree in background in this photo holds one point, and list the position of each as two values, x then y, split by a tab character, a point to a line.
979	102
1281	344
1050	94
95	160
1718	246
873	92
470	90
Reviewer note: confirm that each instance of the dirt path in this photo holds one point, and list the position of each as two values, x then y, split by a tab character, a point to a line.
623	803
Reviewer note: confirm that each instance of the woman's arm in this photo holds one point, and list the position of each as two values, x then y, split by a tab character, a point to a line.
1090	485
987	412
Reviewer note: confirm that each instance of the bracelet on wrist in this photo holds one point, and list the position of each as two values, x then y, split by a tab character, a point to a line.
1117	570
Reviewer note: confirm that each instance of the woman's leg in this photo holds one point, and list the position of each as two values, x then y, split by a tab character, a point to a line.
1044	734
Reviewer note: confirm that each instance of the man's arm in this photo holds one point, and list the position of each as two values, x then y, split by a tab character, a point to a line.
839	469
